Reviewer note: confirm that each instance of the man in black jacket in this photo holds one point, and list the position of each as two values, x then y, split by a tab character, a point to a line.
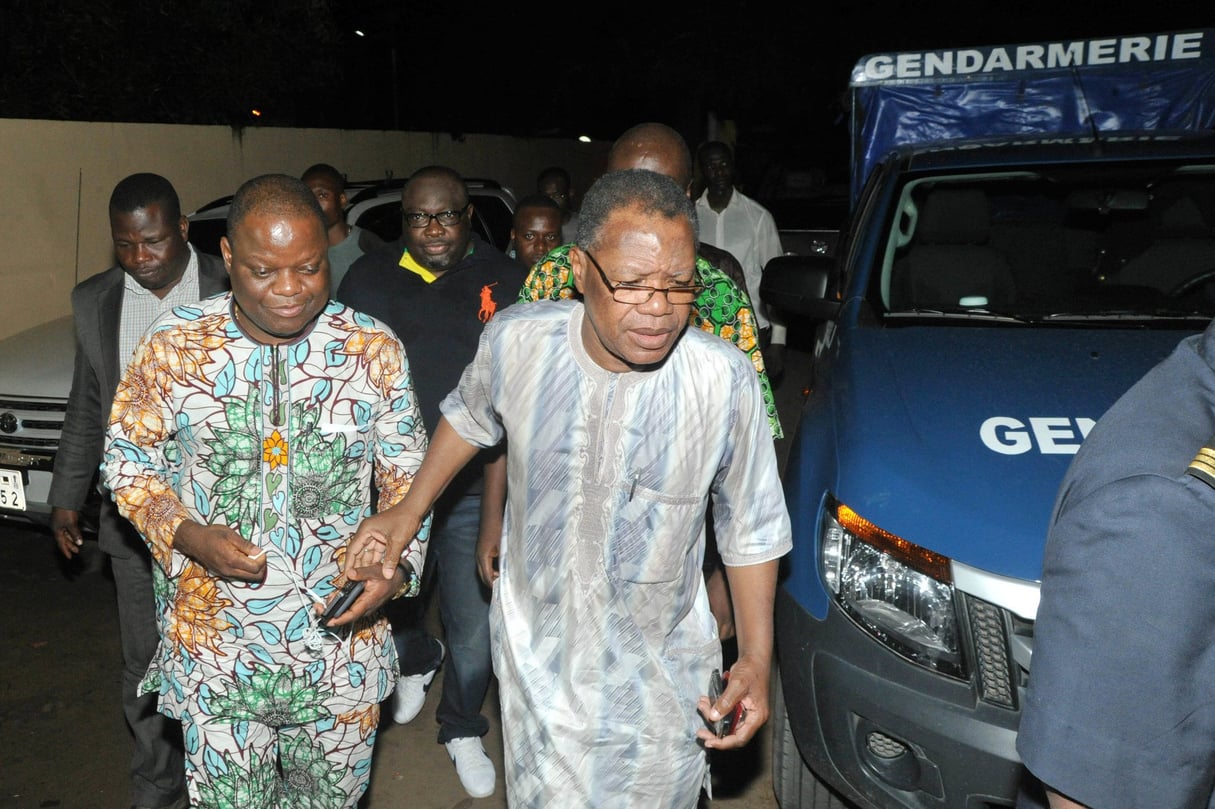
437	287
157	269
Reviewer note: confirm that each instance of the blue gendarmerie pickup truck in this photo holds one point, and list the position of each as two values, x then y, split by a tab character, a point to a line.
1031	228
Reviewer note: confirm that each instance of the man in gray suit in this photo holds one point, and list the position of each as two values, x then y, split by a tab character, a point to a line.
157	269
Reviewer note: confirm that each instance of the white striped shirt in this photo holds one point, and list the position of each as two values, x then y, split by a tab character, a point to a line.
600	626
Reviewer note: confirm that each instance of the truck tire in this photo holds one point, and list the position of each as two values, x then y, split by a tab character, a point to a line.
796	786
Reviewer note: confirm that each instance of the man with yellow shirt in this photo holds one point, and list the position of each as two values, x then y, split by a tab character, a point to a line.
436	287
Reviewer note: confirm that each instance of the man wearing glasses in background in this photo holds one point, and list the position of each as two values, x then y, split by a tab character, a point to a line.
603	640
437	287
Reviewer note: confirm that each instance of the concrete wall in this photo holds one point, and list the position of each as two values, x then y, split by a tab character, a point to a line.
58	175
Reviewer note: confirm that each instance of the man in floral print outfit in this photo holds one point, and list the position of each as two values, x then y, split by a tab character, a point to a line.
242	444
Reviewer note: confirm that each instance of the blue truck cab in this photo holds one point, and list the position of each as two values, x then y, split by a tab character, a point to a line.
1032	228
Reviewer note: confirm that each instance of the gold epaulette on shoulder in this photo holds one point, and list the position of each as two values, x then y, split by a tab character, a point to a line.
1203	465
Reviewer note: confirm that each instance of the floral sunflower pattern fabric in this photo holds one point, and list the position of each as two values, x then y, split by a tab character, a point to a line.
722	309
280	443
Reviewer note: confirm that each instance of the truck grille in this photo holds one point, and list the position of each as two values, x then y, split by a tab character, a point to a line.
999	674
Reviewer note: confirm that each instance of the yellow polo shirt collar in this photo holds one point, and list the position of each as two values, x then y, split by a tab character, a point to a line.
407	261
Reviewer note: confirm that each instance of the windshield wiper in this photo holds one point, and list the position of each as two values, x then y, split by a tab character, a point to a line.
1126	315
958	314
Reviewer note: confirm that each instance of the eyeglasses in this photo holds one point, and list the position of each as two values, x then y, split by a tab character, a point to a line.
421	219
636	294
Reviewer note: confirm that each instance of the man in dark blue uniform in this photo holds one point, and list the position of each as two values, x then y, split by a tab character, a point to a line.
1119	707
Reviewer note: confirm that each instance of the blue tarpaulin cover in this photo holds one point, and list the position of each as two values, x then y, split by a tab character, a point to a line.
1083	88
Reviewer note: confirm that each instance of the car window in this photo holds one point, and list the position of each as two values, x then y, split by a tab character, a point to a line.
383	219
496	217
206	233
1055	245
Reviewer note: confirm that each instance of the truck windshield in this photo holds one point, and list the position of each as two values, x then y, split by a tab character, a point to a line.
1052	248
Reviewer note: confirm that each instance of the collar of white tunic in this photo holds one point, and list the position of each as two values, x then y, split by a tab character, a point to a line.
596	371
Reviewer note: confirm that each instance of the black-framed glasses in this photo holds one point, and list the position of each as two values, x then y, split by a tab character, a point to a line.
636	294
421	219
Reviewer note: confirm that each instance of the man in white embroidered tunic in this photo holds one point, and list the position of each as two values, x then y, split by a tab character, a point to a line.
621	423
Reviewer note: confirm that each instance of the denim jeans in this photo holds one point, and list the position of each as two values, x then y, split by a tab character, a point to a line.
464	611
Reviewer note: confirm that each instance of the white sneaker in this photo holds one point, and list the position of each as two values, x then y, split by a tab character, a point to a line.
473	766
411	691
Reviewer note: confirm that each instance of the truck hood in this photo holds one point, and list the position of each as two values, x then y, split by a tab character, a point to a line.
38	361
956	439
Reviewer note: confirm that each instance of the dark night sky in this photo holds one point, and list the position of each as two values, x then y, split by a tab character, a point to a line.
778	70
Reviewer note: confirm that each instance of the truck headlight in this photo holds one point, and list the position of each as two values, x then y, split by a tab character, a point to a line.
898	592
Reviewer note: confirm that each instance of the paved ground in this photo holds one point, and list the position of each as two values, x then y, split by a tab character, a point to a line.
63	742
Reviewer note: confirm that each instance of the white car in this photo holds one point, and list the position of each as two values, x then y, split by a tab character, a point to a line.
35	379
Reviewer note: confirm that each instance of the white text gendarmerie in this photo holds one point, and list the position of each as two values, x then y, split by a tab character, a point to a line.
997	60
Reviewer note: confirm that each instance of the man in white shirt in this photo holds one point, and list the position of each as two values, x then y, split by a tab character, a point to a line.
555	182
603	640
734	222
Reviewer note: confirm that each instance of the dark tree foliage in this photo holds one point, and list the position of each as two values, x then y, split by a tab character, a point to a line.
161	61
779	71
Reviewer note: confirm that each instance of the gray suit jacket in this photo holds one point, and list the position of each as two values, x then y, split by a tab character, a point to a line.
97	312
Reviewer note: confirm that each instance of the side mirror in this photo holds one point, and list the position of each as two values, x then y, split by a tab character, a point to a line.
798	285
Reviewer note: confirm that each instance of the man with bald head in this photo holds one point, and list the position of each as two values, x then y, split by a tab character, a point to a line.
242	444
658	147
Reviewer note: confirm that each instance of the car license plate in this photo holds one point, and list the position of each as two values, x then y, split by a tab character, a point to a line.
12	492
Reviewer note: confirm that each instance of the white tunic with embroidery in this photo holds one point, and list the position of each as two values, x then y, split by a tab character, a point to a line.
602	635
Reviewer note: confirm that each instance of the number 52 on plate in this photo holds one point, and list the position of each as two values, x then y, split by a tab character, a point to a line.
12	492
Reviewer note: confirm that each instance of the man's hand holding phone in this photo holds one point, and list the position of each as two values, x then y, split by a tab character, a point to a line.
721	732
341	602
359	597
731	719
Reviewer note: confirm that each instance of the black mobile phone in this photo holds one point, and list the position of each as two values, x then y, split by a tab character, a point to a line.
341	601
724	726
